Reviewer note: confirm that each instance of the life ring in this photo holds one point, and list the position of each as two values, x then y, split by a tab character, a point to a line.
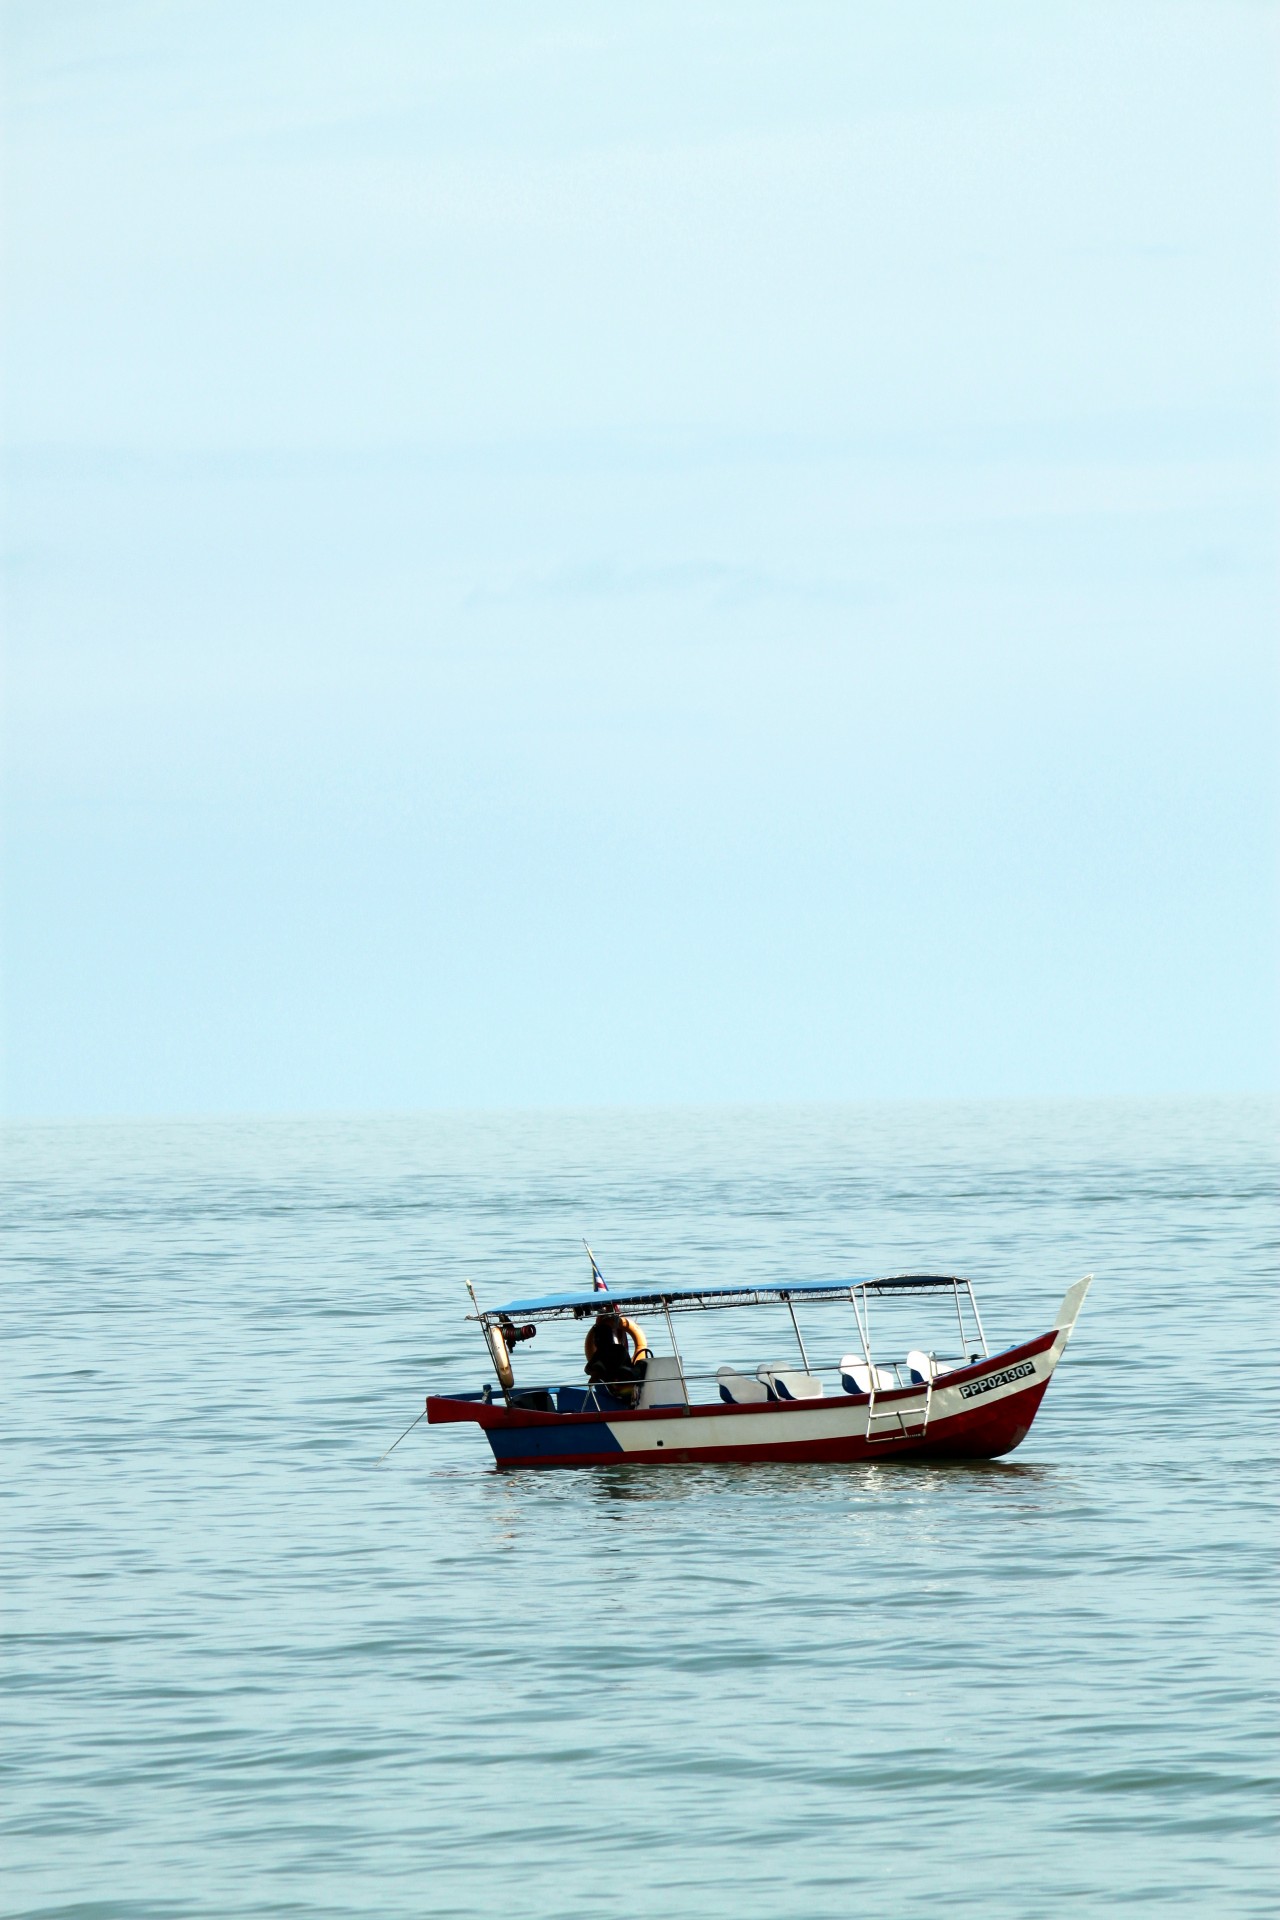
501	1358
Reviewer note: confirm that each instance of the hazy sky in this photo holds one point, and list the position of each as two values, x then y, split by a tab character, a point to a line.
573	554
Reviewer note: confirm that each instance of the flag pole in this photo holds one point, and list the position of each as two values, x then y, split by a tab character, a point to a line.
598	1282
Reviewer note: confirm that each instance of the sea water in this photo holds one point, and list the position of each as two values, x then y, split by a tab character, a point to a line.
249	1672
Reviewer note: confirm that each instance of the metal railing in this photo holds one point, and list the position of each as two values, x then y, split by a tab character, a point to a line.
623	1395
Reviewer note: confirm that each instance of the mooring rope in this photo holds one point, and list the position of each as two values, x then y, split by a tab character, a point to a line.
404	1436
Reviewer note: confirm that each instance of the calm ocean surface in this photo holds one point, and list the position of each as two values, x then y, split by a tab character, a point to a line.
247	1672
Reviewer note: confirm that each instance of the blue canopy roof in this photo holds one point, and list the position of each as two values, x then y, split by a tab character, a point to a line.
690	1299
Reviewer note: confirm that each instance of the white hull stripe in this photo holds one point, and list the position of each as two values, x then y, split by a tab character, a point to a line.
810	1420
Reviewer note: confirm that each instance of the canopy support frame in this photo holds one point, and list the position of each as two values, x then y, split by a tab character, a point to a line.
799	1336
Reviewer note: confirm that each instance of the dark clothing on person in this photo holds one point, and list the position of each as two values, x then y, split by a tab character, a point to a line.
612	1351
609	1360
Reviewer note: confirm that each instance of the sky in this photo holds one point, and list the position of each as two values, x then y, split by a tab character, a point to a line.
580	555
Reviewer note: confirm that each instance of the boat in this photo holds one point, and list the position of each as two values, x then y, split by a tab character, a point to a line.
958	1401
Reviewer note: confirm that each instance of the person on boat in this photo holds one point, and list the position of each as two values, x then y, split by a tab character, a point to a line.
617	1353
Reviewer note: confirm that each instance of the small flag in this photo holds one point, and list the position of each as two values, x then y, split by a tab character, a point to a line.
598	1281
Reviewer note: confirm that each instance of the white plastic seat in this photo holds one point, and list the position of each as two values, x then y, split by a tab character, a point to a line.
662	1385
857	1377
922	1367
738	1388
788	1383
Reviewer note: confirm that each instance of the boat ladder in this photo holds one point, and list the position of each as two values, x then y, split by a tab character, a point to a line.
899	1422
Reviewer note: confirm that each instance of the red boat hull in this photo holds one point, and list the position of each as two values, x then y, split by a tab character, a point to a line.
979	1412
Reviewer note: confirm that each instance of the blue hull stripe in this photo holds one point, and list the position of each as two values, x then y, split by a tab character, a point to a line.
550	1442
